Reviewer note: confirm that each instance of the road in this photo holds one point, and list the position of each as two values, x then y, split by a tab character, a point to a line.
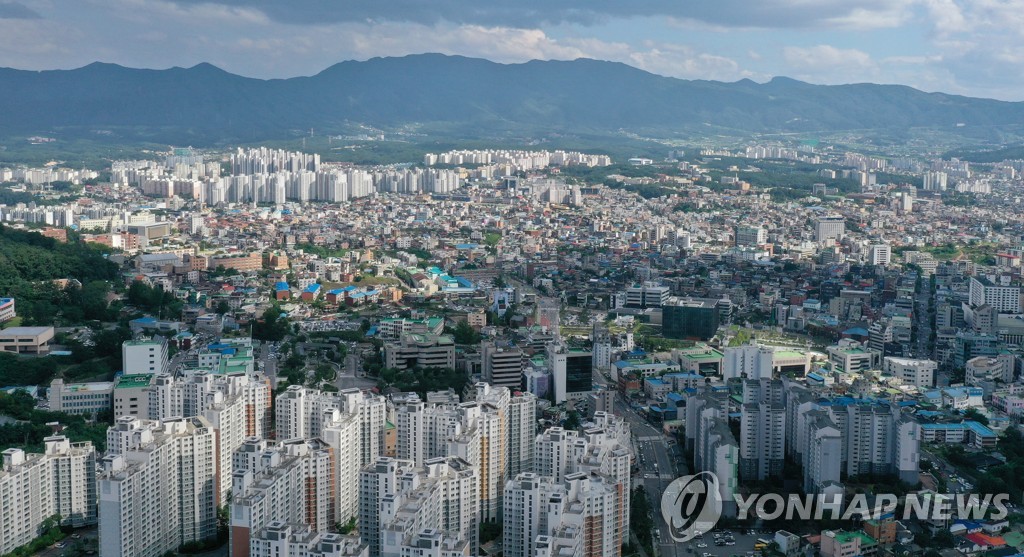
269	361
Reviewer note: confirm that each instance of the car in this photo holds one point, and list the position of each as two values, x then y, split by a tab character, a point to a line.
730	543
702	545
58	545
75	536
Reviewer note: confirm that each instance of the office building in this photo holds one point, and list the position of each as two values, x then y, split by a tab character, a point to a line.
130	396
572	372
646	295
690	318
829	229
502	364
919	373
751	236
416	351
879	254
26	340
157	486
80	398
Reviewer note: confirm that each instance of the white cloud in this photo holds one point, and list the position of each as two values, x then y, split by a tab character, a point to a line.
826	57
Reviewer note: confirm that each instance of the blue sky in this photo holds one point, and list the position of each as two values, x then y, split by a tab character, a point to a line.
972	47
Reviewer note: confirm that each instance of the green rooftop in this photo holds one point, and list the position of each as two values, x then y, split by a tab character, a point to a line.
847	537
703	356
790	354
133	381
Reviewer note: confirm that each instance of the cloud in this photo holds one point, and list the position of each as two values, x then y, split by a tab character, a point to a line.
534	13
14	10
826	57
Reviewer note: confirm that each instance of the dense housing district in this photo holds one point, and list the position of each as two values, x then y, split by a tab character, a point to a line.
507	352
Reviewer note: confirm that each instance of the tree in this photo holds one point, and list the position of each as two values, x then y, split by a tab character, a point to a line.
974	415
223	307
272	327
465	334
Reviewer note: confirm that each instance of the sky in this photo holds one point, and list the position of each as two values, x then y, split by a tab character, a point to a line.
970	47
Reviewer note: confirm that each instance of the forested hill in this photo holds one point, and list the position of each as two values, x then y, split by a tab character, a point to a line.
29	262
451	94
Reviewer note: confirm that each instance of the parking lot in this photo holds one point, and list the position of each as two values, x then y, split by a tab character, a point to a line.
743	544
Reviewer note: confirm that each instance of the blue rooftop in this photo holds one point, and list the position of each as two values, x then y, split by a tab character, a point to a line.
281	286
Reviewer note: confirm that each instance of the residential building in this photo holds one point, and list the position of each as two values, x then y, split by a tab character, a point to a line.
35	487
1004	297
279	539
291	481
157	486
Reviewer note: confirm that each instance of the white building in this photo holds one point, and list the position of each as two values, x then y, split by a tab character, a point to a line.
830	228
1004	297
279	539
879	254
540	509
157	486
399	501
80	398
291	481
919	373
145	356
35	487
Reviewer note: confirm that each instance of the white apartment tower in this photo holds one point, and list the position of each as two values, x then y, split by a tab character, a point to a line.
34	487
157	486
291	482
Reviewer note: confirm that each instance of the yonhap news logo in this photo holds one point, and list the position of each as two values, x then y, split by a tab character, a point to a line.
691	505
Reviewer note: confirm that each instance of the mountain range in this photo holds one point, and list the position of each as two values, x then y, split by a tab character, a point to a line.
205	104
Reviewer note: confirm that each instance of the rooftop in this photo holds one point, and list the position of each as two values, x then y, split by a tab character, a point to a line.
133	381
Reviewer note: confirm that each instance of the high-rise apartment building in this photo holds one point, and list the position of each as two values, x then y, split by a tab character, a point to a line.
34	487
235	405
291	482
157	486
400	503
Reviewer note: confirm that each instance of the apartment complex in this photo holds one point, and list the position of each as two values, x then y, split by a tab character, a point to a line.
34	487
157	486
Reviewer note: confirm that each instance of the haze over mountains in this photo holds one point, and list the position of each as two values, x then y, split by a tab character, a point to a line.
458	94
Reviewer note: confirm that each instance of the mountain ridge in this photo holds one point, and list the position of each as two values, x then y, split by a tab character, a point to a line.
456	93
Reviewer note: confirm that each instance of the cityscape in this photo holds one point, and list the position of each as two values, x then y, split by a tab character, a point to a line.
442	306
